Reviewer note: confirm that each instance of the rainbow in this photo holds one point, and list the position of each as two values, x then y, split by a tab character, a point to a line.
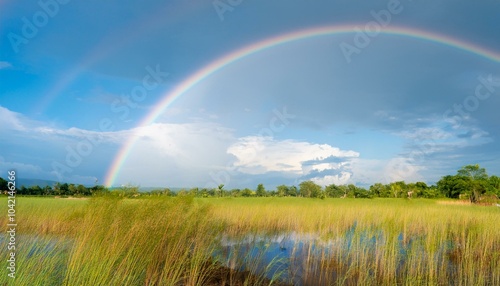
239	54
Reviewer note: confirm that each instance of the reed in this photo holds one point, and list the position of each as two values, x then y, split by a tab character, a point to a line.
380	241
179	241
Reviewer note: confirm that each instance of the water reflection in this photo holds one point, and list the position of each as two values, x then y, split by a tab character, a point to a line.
309	259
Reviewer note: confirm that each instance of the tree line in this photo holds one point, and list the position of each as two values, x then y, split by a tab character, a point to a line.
470	182
58	189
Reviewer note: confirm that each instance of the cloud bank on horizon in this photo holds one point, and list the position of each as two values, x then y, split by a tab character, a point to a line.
362	106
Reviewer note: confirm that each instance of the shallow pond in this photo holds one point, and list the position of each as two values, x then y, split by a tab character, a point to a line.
308	259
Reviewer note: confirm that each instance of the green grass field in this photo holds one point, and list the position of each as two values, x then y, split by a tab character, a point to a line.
171	241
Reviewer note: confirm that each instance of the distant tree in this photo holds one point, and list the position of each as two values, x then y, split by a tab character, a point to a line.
72	191
98	190
292	191
247	192
203	193
155	193
47	190
282	190
334	191
128	191
470	180
360	192
35	191
57	189
380	190
195	192
452	186
309	189
396	189
212	192
420	189
261	191
475	172
235	193
494	185
421	185
164	192
182	193
81	190
477	181
22	191
220	190
351	190
476	189
3	185
64	189
272	193
430	193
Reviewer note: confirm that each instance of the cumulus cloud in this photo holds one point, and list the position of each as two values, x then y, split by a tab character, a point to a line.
340	179
10	120
186	143
322	163
163	153
368	171
184	154
200	152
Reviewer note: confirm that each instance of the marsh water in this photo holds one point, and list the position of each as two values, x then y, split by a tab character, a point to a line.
292	258
309	259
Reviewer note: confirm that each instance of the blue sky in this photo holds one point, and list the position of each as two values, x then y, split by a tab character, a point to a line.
298	111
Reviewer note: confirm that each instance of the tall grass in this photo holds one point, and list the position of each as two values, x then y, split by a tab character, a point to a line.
378	242
173	241
112	241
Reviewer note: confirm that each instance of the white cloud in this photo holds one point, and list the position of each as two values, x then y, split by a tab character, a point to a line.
195	153
163	153
369	171
426	133
4	65
185	143
340	179
20	168
259	155
10	120
427	137
177	154
402	169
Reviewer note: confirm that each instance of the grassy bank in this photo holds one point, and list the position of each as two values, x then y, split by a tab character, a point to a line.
170	241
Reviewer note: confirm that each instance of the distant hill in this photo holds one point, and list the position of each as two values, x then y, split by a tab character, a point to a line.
34	182
149	189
